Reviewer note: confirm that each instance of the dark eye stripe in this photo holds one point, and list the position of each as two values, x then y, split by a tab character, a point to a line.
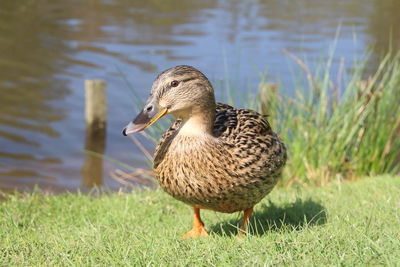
164	89
181	81
188	79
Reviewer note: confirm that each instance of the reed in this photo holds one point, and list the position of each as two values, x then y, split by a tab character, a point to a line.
332	133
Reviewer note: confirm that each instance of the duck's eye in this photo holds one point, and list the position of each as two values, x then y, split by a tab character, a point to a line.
174	83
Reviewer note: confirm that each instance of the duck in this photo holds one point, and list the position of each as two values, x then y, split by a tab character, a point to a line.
213	156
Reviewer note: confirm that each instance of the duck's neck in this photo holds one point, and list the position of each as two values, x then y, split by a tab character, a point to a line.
198	123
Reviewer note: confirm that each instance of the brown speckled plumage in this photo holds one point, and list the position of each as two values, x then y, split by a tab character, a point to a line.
230	173
214	156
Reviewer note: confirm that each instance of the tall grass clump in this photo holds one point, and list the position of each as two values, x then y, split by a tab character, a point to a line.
336	133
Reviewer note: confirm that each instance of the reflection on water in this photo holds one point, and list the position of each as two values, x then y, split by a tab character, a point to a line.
92	169
30	86
48	49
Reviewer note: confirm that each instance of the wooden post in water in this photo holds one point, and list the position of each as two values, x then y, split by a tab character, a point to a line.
96	121
96	105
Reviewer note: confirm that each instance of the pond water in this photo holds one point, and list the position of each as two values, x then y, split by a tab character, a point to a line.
49	48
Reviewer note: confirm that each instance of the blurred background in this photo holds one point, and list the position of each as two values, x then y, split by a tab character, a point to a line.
49	47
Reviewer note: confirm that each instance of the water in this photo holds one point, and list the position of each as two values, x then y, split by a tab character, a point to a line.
49	48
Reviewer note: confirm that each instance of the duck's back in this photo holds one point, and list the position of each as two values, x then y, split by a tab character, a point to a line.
231	174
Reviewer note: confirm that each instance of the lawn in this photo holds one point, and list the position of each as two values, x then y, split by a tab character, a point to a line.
338	224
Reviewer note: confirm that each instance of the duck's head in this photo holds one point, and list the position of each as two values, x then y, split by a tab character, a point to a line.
182	91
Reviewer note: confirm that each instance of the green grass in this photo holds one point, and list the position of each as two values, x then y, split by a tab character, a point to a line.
339	224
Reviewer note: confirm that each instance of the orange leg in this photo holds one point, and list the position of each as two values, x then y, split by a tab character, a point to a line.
198	227
246	218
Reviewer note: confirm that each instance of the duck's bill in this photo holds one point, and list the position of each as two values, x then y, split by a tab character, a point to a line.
142	121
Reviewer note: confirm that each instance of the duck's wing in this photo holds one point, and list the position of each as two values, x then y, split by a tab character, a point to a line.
249	139
231	123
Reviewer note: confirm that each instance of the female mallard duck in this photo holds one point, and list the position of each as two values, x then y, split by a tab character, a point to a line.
214	156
